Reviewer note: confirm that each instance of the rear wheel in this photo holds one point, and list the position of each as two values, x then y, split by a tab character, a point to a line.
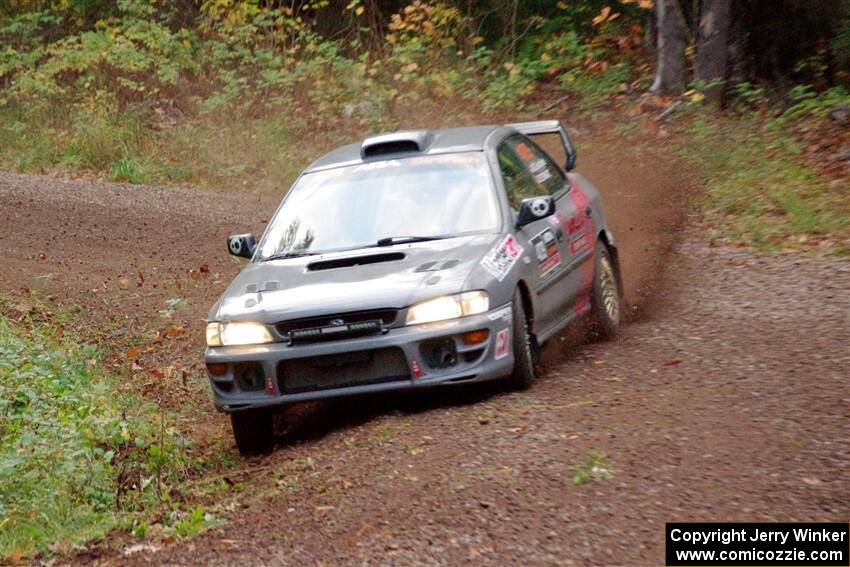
605	302
253	431
523	374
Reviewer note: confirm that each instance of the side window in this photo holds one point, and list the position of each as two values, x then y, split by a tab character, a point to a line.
544	172
518	182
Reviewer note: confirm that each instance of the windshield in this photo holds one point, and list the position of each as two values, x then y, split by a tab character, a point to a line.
356	206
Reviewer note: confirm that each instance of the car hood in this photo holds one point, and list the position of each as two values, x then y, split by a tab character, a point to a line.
372	278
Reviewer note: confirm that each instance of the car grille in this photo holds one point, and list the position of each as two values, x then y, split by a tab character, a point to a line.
341	370
356	323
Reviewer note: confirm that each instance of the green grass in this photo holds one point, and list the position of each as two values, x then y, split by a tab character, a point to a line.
130	169
595	467
78	457
225	150
761	193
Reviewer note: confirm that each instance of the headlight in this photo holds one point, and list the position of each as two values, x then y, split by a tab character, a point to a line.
230	334
448	307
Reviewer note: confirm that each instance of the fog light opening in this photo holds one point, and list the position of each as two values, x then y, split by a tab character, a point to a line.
476	337
439	353
249	376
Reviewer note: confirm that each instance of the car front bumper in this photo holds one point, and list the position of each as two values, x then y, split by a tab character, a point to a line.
402	358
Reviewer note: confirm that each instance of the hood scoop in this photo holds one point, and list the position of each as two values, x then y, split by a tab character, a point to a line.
354	261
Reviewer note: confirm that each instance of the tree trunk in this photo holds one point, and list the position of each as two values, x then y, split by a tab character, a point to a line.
713	46
671	67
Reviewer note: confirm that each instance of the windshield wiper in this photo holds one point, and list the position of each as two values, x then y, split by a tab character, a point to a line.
285	255
390	240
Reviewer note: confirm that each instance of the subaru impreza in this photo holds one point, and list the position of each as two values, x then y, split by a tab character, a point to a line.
412	260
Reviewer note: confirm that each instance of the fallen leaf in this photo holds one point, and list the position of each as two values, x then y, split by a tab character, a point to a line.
15	556
602	16
133	352
674	362
175	331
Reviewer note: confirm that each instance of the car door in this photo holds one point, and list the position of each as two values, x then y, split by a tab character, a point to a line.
528	172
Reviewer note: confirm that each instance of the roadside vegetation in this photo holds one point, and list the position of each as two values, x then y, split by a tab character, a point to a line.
776	183
133	95
79	454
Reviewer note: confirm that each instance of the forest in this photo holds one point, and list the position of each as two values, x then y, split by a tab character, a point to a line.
86	84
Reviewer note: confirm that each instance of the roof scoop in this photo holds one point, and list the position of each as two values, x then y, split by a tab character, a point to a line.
412	141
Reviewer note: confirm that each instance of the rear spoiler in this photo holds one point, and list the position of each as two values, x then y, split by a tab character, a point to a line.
542	127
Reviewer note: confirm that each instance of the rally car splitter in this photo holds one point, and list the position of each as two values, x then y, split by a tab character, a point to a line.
411	260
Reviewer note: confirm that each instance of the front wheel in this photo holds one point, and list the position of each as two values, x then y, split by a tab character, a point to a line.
521	341
253	431
605	302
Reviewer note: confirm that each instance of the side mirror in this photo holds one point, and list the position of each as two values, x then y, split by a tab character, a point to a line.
570	150
533	209
571	161
242	245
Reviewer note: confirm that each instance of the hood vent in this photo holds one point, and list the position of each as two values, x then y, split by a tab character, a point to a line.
354	261
269	286
436	266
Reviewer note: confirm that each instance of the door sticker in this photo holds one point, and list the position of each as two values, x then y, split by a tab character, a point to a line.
582	235
502	258
539	170
503	344
580	229
546	250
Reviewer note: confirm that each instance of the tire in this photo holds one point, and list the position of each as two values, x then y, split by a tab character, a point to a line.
522	343
253	431
606	306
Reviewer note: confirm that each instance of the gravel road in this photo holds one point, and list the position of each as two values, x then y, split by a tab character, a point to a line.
725	398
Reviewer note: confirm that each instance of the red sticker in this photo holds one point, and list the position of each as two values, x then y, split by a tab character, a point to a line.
524	152
503	343
580	229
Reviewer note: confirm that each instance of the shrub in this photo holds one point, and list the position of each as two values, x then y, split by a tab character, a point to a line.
75	453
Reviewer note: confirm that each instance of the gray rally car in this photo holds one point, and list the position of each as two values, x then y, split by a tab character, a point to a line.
410	260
